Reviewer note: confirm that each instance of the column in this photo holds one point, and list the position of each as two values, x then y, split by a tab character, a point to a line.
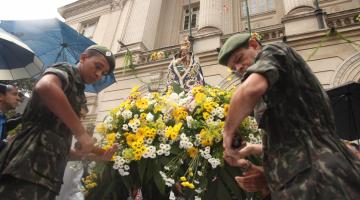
210	14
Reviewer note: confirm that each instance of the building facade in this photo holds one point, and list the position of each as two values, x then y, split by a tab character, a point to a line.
325	32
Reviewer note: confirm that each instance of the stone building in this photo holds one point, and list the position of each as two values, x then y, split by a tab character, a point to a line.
148	26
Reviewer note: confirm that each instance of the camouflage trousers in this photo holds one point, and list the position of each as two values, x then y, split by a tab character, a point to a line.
15	189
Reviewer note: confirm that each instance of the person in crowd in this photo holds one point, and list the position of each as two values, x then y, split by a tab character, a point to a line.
32	166
303	157
9	99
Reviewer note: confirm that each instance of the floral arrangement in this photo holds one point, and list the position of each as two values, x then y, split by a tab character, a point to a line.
158	55
173	139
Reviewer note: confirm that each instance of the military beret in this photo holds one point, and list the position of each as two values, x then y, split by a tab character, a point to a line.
231	44
106	53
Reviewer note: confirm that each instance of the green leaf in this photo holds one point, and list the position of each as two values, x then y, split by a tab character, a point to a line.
150	170
142	165
230	183
222	193
159	182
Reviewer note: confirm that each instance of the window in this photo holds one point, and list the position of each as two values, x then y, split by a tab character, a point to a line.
257	6
88	28
194	17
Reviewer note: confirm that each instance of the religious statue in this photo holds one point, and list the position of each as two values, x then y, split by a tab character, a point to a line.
184	70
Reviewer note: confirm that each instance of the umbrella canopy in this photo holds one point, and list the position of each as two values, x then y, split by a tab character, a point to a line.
17	61
54	41
345	101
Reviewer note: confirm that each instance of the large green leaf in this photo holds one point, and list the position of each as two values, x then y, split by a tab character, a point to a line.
141	166
222	192
159	182
230	183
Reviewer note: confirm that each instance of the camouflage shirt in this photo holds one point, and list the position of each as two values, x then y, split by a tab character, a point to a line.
303	156
39	152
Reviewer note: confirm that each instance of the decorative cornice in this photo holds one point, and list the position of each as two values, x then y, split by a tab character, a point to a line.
82	6
117	4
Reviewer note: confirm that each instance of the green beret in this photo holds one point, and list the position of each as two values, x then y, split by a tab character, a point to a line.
231	44
106	53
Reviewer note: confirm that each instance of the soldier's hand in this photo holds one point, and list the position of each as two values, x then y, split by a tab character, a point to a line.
236	162
86	143
227	140
253	180
106	155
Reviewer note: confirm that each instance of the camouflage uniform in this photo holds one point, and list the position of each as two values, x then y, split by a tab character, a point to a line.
303	156
39	153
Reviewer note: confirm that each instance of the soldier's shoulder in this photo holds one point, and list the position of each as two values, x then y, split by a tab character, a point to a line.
278	47
62	66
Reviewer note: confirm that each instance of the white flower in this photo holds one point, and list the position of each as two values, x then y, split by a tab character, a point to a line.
160	152
125	127
126	114
173	98
150	117
182	94
172	196
148	140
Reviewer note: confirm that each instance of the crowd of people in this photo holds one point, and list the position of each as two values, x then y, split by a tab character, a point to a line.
303	158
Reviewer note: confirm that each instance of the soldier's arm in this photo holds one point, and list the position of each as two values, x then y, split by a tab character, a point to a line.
242	103
49	89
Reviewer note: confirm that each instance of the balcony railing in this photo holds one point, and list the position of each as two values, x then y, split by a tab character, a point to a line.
269	33
343	19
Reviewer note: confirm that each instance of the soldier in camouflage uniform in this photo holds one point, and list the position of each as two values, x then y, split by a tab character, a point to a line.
303	157
32	167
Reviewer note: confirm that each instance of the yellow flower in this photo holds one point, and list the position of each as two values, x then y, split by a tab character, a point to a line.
191	186
187	184
130	139
197	89
173	132
100	128
111	137
179	113
143	116
200	98
142	103
193	151
226	109
182	178
206	115
135	89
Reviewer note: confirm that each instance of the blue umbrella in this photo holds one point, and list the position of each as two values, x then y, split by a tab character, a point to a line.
54	41
17	61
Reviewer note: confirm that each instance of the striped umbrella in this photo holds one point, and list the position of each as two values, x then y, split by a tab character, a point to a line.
17	61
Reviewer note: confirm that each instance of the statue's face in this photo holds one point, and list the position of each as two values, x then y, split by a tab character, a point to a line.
184	52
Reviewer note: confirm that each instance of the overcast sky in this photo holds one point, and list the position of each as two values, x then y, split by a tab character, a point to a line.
31	9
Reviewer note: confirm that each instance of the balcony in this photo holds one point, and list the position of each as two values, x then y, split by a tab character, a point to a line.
347	18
